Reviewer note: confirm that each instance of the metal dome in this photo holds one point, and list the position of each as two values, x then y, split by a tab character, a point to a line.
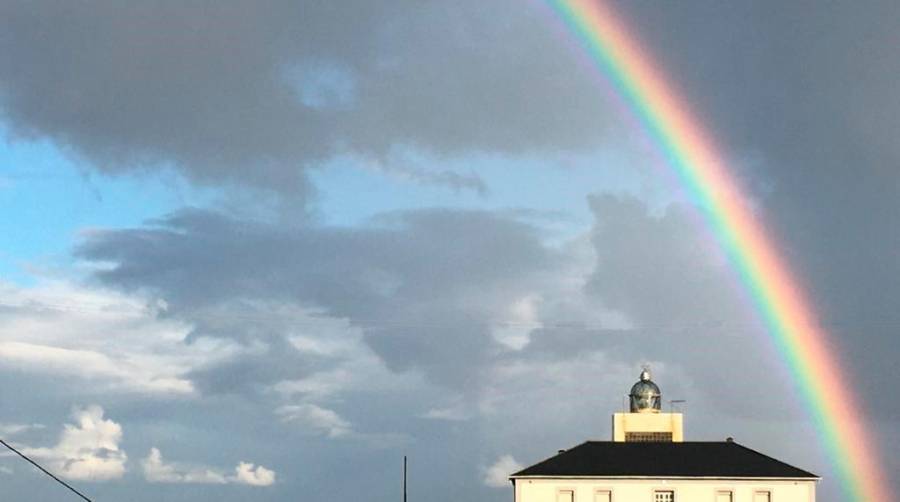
645	395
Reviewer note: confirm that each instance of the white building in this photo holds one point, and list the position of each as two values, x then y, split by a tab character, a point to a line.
649	461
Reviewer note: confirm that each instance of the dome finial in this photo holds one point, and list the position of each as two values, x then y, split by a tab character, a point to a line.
645	373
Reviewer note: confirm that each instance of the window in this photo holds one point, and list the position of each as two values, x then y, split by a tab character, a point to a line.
664	496
603	496
648	437
762	497
565	496
724	496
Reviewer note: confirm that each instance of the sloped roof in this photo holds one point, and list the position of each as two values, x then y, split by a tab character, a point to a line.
724	459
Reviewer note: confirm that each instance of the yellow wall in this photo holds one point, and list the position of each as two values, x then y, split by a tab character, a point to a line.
648	422
641	490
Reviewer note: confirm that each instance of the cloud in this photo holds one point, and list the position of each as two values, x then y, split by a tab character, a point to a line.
321	420
87	450
522	319
245	473
240	94
157	470
7	430
407	166
497	475
657	268
117	342
461	318
666	272
424	287
84	364
456	410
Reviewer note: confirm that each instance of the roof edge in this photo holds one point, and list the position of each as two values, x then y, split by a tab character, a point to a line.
735	478
732	443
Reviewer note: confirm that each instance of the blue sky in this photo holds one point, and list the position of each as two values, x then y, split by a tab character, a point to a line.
48	198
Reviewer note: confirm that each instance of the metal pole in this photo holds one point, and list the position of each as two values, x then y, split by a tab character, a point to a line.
404	478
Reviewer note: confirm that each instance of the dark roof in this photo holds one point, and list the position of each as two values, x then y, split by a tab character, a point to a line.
692	459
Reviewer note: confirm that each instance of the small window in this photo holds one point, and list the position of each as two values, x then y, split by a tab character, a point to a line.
762	497
664	496
648	437
724	496
603	496
565	496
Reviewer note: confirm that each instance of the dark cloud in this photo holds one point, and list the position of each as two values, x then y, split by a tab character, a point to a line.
664	271
426	287
804	89
253	93
667	274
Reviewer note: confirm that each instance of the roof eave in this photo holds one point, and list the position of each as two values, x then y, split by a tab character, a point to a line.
731	478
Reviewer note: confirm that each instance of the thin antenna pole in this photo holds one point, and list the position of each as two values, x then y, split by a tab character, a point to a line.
404	478
45	471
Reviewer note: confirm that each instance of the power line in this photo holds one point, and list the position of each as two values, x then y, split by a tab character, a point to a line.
45	471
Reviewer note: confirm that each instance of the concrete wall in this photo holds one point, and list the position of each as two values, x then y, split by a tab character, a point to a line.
641	490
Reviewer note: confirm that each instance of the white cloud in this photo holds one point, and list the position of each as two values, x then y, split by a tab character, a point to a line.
497	475
451	413
7	430
455	409
87	450
246	473
316	418
318	385
90	365
157	470
515	331
355	366
116	341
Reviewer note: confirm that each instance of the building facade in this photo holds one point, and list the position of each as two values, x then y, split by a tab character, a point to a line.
649	461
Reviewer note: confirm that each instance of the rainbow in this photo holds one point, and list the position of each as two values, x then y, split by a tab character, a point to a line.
788	315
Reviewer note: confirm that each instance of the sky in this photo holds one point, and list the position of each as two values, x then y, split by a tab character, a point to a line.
267	249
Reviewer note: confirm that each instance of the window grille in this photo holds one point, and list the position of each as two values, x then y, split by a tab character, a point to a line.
664	496
648	437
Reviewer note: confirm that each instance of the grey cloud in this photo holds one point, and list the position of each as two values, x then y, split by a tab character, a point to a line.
668	275
429	289
808	90
250	373
665	271
254	93
451	179
426	287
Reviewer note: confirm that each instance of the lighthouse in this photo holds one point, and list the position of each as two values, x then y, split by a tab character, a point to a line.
645	421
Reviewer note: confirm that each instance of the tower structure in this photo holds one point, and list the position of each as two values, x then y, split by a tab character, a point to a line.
645	421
